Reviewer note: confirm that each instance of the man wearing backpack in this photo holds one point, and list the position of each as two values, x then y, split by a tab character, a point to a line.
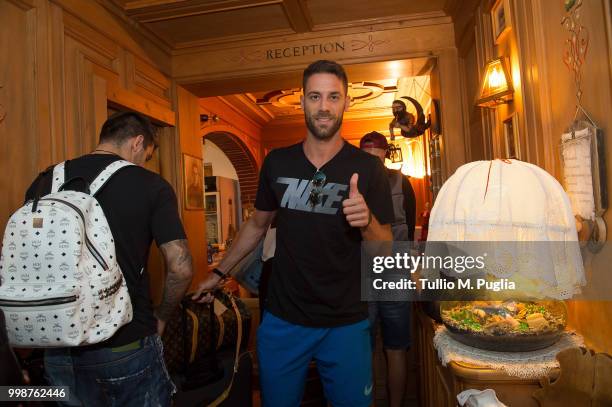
140	206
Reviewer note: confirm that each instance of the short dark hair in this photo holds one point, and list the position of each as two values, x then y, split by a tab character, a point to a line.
325	66
123	126
399	102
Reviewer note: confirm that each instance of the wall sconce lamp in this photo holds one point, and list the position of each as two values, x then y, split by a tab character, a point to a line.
496	87
407	156
208	117
395	153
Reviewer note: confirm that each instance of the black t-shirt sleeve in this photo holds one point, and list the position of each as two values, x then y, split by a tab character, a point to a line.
166	224
378	194
409	206
266	199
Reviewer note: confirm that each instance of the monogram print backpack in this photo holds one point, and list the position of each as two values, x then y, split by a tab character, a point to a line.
60	283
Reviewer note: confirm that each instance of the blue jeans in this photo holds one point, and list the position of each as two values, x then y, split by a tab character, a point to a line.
136	376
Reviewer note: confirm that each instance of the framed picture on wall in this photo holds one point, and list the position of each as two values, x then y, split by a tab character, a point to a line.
511	137
193	182
500	19
208	170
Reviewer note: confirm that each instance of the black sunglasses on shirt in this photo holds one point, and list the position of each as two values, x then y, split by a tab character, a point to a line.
317	182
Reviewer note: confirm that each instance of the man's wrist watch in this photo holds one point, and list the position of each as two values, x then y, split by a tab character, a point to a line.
219	273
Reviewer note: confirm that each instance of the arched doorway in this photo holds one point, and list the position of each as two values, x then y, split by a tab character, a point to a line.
242	160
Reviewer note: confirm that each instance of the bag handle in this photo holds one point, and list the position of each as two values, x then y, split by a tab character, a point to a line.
226	392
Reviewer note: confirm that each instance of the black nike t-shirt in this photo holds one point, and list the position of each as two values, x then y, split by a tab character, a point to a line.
316	277
140	206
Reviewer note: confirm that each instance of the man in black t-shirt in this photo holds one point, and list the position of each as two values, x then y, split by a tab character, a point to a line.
327	196
140	206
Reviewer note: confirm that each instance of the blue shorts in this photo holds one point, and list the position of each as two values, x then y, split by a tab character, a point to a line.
394	319
343	355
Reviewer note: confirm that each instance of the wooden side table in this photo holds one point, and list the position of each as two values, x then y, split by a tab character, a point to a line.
439	385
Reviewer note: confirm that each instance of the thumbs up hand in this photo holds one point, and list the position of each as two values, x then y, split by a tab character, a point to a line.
354	207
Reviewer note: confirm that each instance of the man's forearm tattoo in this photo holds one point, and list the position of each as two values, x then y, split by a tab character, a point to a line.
179	273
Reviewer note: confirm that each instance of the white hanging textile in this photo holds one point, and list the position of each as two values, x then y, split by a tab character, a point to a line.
504	201
576	152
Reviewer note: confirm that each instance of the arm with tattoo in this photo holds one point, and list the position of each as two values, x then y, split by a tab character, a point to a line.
179	272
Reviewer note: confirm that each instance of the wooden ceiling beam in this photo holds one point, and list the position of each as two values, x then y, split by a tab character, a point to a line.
140	4
298	15
452	7
159	10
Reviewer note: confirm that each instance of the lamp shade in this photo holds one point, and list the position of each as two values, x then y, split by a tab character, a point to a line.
506	201
496	86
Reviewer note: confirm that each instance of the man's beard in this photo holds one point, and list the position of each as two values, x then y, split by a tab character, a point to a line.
323	134
399	114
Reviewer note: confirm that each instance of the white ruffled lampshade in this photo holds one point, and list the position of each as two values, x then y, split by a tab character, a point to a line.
513	201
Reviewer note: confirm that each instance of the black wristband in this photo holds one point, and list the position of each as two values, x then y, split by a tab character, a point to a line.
219	273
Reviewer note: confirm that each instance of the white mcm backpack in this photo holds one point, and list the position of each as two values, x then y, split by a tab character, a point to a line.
60	283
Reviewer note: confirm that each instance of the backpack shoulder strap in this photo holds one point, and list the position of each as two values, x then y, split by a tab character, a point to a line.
59	176
106	174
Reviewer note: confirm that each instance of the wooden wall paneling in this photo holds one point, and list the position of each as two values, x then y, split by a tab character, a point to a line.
451	109
190	142
169	157
608	16
478	138
103	16
150	83
470	81
18	99
45	25
484	52
89	119
80	63
103	48
96	60
525	75
587	317
153	106
541	88
56	146
168	165
138	103
100	103
463	73
436	93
